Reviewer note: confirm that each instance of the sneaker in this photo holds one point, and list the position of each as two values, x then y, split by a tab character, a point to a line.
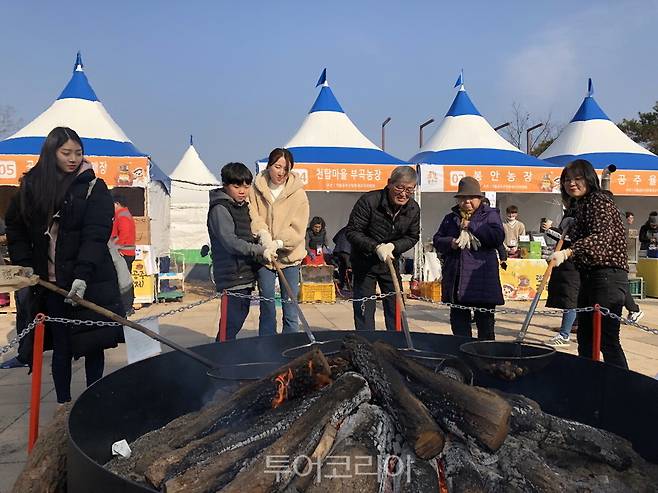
635	316
12	363
558	340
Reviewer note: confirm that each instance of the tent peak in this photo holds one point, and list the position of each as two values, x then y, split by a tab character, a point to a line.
78	66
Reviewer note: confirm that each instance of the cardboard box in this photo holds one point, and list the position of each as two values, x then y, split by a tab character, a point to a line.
142	230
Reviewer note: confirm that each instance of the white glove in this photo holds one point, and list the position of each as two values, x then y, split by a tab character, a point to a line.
78	289
264	237
559	257
475	243
270	255
464	240
385	251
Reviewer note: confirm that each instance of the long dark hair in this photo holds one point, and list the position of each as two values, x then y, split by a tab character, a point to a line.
47	183
279	153
579	167
317	220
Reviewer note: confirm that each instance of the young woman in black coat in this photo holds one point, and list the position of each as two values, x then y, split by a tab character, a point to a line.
59	224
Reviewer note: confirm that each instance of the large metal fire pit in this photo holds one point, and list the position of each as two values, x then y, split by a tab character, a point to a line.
146	395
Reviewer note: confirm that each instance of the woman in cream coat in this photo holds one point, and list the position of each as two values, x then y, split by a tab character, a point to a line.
279	211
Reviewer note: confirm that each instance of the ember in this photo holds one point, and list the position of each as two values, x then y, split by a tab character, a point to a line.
370	419
282	381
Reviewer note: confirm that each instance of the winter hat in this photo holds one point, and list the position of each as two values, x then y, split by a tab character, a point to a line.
469	187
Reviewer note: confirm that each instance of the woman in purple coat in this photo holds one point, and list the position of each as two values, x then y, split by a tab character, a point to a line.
467	241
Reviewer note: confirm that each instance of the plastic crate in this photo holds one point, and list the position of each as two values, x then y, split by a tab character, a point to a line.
431	290
311	292
636	287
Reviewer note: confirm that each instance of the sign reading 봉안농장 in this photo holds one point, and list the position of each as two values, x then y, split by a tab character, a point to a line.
115	171
528	179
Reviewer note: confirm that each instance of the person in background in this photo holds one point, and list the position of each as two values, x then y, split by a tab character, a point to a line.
279	211
502	251
467	239
630	218
513	227
341	255
564	283
382	226
59	224
235	248
648	231
599	251
316	242
123	230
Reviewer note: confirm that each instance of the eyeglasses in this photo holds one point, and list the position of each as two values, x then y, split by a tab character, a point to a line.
402	189
577	179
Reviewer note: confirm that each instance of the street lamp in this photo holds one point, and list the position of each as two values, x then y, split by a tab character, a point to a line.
506	124
527	136
383	125
423	125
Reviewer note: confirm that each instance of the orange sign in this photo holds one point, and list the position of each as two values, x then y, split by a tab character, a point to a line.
343	177
517	179
624	182
115	171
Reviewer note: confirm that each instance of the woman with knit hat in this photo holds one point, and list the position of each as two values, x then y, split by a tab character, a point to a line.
467	240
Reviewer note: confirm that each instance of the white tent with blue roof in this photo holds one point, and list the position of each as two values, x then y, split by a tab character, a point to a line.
332	155
591	135
113	155
465	144
191	181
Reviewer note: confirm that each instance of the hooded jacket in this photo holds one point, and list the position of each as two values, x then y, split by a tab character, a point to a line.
471	276
286	218
80	252
233	244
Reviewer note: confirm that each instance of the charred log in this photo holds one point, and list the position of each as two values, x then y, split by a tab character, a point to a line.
469	412
410	415
337	401
365	439
206	453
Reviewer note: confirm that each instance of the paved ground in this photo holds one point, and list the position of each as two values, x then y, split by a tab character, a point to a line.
198	326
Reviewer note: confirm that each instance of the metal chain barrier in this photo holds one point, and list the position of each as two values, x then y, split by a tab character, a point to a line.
510	311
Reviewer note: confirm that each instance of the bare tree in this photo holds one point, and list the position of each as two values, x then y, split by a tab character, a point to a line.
9	122
521	120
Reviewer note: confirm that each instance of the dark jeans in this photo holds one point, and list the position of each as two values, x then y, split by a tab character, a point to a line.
267	319
129	262
365	285
62	353
608	288
629	303
236	312
460	323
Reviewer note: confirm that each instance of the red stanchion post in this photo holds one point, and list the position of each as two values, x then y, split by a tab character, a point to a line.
35	398
596	333
398	316
221	336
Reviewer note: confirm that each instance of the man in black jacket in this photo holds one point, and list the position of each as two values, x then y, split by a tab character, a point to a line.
383	225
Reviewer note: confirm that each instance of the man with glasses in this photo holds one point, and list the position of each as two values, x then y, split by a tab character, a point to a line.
383	225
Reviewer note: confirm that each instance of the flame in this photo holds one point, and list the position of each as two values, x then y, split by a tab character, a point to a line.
282	381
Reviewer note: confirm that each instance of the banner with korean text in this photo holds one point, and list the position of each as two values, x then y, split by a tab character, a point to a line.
527	179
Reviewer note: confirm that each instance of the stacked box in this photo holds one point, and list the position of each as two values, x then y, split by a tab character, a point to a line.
311	292
431	290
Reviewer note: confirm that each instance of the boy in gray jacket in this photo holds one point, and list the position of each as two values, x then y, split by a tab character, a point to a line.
236	252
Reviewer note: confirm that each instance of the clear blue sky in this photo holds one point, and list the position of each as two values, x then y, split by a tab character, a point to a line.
240	76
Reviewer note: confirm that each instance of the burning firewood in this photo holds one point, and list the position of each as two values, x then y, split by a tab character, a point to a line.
409	414
364	441
337	402
467	411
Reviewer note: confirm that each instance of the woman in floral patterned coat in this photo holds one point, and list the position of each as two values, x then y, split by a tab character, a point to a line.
598	249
